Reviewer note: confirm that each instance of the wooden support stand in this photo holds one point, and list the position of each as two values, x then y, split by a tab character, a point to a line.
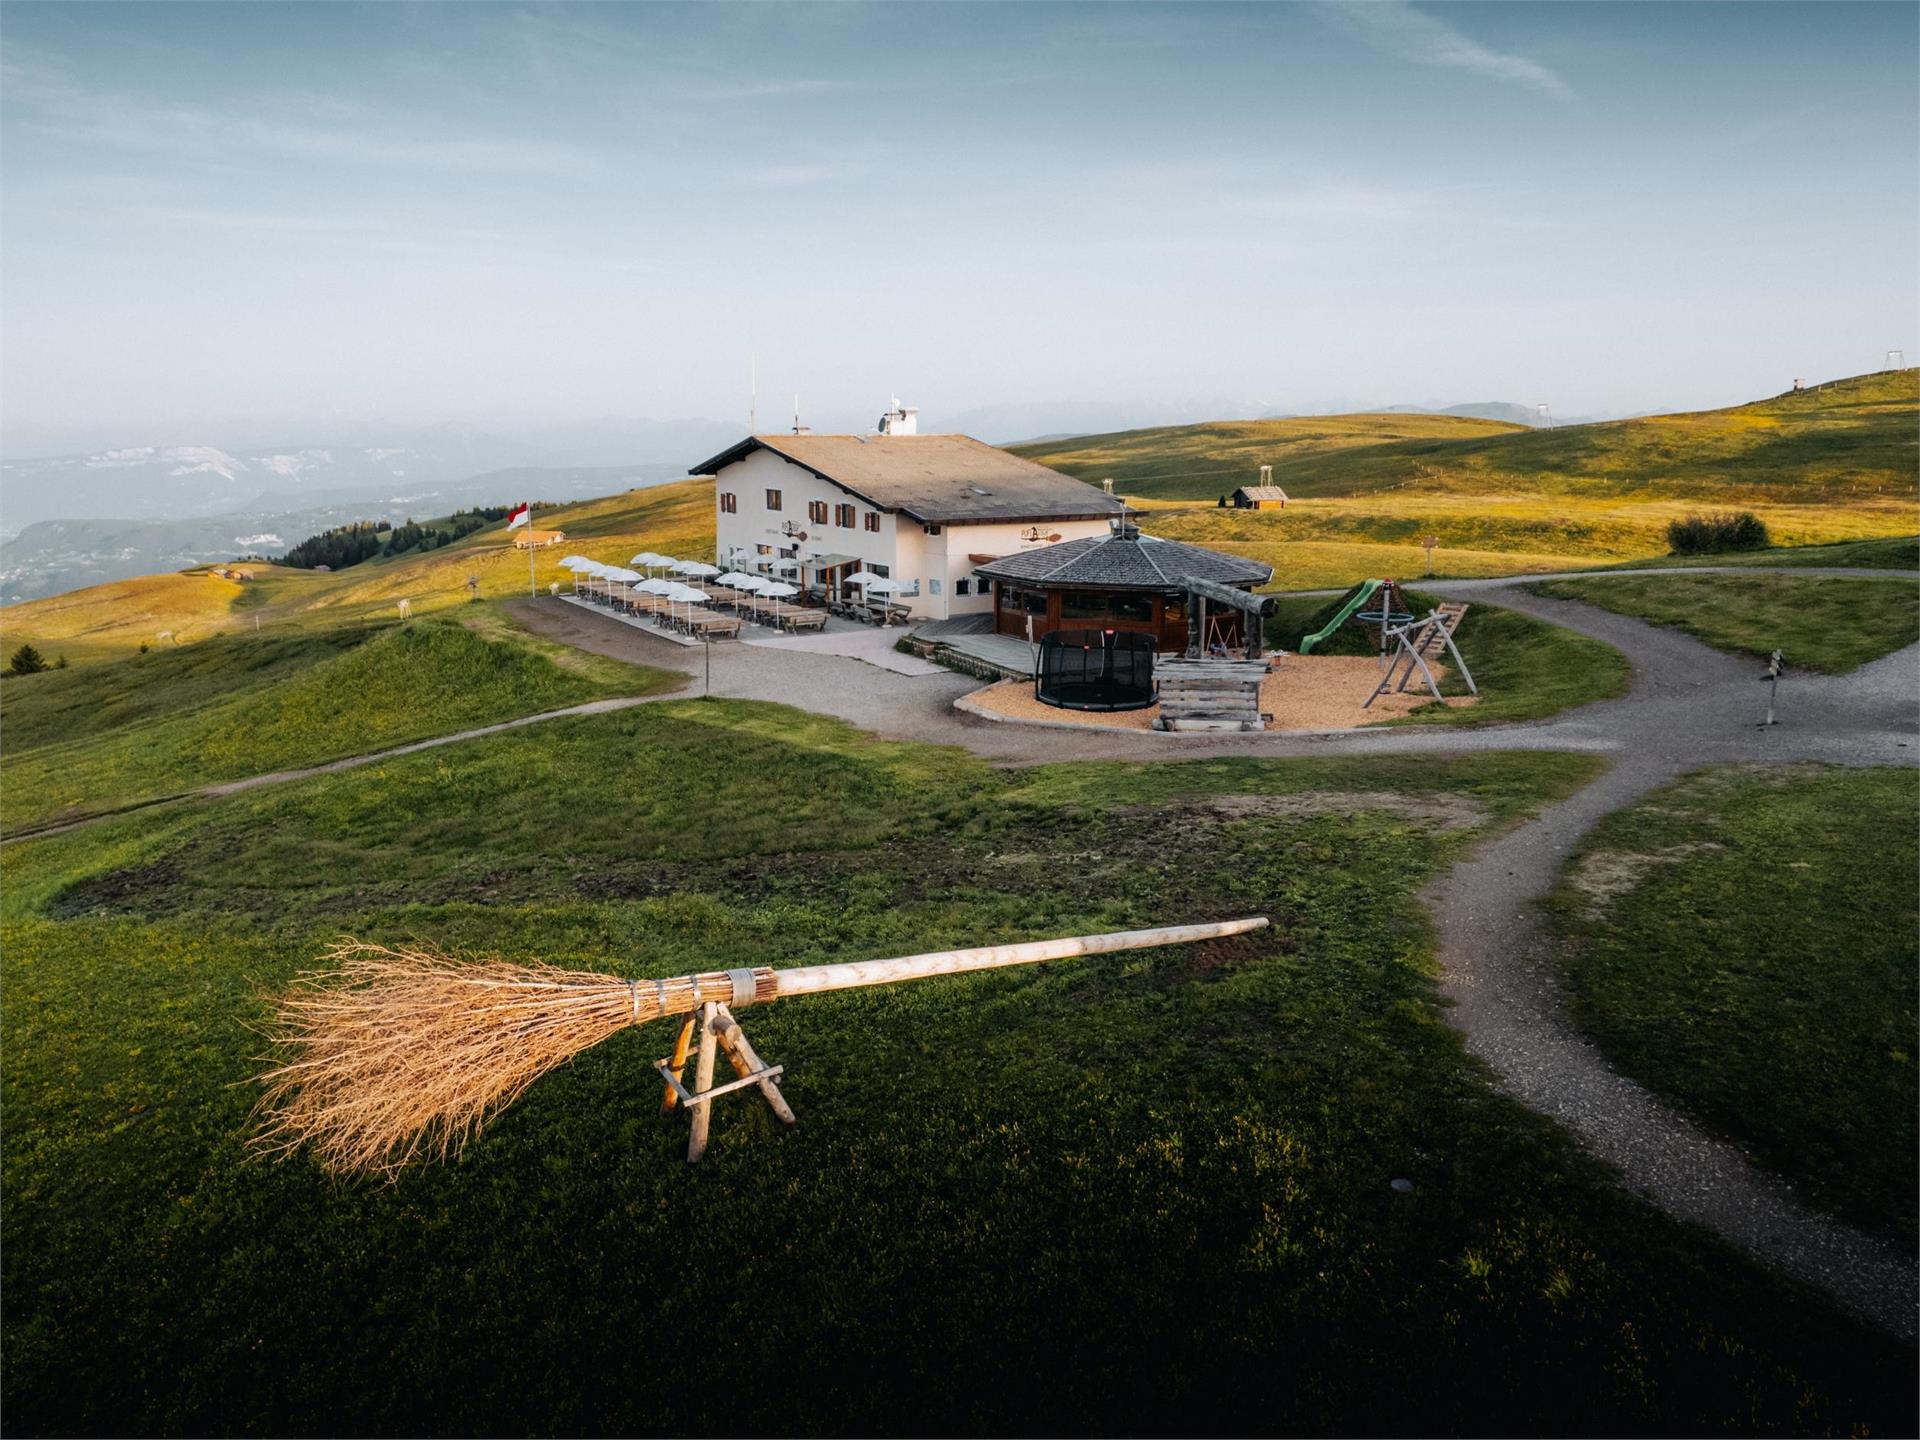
719	1031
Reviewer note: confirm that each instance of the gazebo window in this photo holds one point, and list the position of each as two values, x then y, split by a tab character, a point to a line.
1083	605
1133	607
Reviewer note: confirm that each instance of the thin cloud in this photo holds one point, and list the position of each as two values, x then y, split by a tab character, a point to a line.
791	177
1399	29
49	104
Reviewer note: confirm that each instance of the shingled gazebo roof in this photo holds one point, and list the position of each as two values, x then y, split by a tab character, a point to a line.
1127	559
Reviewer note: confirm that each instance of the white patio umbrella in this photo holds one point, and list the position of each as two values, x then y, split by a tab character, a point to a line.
752	585
698	569
862	578
654	585
592	569
774	590
619	575
575	563
884	586
733	579
688	595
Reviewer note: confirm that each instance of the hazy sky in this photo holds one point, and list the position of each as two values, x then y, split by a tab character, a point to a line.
502	213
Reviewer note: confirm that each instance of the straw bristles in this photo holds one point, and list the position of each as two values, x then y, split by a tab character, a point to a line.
395	1052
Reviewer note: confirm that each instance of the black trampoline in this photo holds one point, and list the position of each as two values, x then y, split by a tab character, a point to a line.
1096	670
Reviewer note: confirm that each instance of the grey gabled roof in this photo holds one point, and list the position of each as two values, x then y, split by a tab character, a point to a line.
1127	559
933	478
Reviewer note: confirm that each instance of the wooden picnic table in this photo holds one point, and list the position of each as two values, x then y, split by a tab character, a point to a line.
712	625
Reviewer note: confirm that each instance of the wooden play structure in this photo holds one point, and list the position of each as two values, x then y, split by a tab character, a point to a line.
394	1052
1412	643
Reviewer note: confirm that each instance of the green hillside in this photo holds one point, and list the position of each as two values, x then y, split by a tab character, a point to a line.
1192	462
125	732
1850	440
189	606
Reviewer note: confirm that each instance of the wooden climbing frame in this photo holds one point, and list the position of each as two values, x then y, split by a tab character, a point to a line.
1412	644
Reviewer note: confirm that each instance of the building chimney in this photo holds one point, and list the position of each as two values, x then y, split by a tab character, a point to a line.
900	419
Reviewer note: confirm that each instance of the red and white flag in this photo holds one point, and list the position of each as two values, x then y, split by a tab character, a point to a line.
520	516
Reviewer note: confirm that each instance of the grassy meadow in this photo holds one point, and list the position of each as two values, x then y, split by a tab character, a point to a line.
128	731
1821	622
1146	1193
1315	544
1194	462
1848	442
1742	942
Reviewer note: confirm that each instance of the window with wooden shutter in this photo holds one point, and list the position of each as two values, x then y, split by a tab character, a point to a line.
773	499
817	511
729	503
842	516
873	521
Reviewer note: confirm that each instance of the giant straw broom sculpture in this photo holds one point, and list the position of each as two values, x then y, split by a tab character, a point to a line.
394	1053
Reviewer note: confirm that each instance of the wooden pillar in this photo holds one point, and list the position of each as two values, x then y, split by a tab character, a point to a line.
702	1082
1257	640
746	1060
680	1047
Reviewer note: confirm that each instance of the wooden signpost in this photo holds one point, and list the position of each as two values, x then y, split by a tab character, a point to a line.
1428	544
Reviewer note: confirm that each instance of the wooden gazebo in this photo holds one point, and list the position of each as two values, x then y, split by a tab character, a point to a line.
1193	601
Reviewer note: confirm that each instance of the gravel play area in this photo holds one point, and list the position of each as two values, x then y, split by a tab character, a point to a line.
1301	692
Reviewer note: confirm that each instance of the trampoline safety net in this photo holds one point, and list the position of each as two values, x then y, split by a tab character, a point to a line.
1096	670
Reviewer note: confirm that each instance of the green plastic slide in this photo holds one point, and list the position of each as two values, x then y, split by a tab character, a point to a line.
1362	593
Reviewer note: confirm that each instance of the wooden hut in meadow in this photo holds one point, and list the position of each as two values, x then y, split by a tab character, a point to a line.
1259	497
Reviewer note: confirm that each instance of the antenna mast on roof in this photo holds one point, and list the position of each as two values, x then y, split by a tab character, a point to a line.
753	392
1896	359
